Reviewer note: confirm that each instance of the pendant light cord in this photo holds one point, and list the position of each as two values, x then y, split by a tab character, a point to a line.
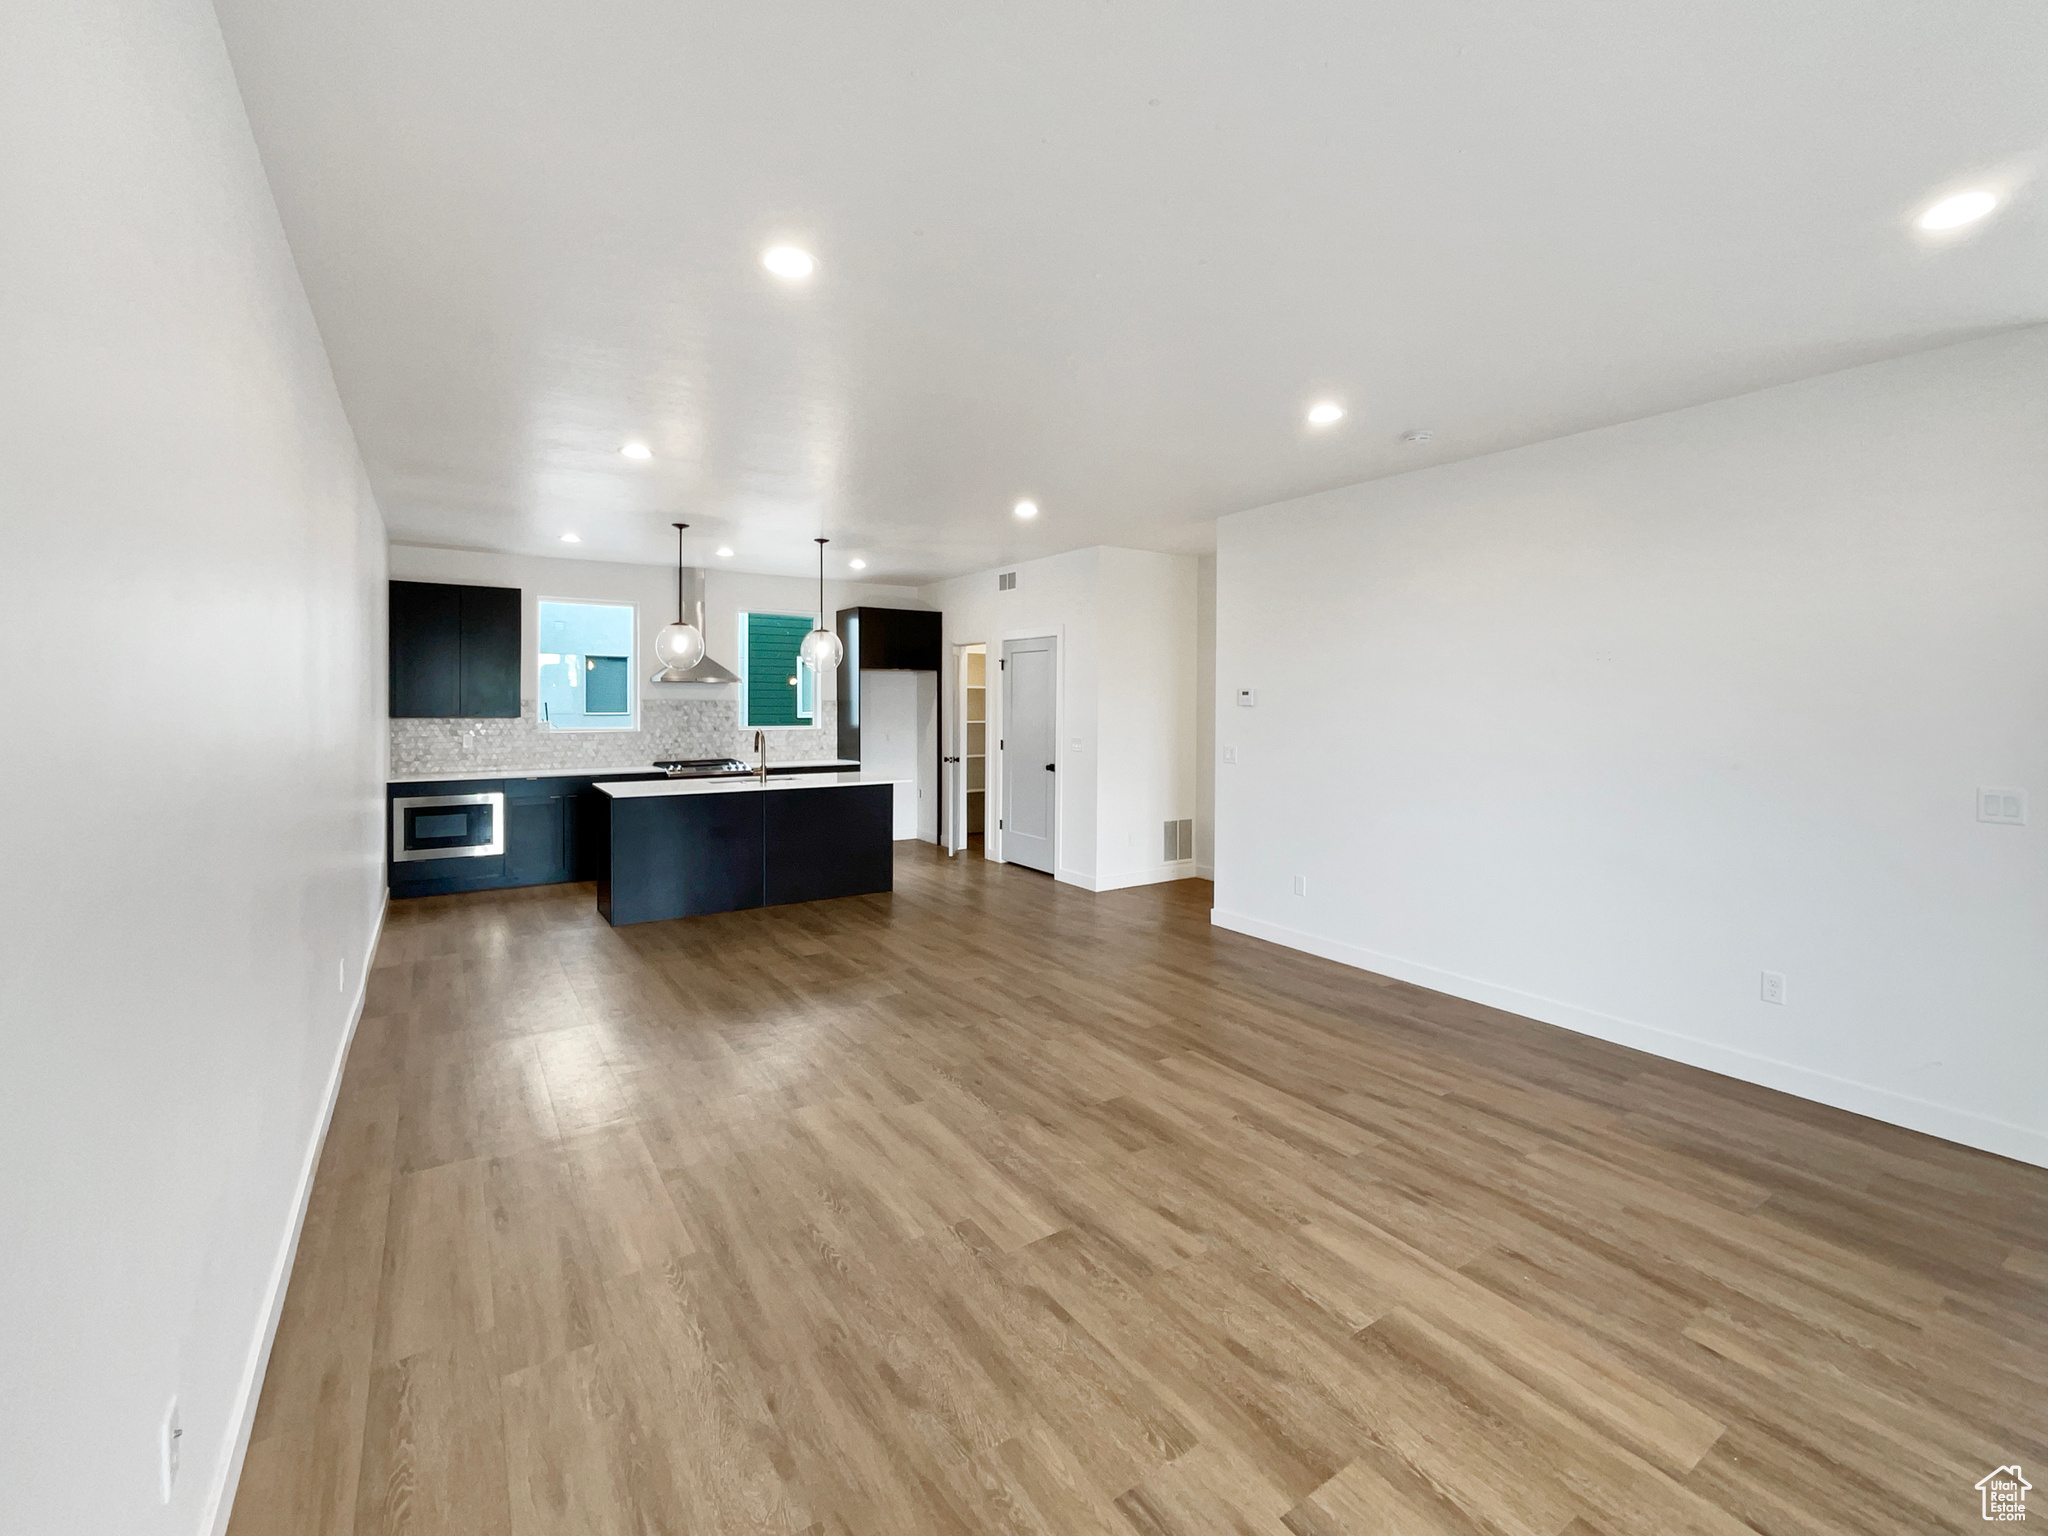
679	527
821	581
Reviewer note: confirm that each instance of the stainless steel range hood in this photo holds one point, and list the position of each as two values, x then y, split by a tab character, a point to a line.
690	605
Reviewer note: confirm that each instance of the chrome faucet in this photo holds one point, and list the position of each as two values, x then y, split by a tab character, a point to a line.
761	746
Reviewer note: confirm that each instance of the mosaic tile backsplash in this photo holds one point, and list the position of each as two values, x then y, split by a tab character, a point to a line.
669	728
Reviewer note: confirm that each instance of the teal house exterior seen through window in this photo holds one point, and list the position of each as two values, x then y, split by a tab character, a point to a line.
776	688
606	686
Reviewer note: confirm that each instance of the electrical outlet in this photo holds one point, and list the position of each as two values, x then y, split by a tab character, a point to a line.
1230	754
168	1437
1774	986
1301	885
1247	698
2007	806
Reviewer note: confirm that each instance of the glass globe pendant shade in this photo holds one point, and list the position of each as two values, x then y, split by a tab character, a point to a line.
821	650
679	646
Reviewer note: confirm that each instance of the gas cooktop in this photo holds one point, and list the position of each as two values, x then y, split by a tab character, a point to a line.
702	767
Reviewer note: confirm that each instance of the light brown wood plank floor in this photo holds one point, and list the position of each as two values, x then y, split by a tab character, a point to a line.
996	1206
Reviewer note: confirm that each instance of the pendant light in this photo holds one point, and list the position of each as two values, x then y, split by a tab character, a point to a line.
679	645
821	649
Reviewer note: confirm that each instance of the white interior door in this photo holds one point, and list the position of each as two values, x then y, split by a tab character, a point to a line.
1030	763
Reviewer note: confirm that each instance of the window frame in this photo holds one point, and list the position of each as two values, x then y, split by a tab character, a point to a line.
807	677
630	719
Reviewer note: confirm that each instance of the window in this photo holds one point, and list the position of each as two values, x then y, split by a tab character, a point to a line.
776	688
586	666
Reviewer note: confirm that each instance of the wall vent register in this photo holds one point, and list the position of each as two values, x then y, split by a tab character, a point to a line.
2002	805
1179	844
1007	582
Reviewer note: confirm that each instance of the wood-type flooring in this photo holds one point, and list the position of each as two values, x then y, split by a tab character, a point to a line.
993	1205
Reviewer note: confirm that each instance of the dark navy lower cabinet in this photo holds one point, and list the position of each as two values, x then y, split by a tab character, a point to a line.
535	852
688	855
830	842
554	831
682	856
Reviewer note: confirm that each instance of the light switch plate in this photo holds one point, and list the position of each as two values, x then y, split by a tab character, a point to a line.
1247	698
1230	754
2005	806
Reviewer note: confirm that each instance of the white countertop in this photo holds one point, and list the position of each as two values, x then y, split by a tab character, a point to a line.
648	789
462	774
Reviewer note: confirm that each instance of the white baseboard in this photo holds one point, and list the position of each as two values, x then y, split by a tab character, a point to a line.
1158	874
1205	871
228	1474
1951	1124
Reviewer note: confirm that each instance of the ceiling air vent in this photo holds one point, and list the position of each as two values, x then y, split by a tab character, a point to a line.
1007	582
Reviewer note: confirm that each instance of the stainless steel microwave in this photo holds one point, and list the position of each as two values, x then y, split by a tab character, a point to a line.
447	827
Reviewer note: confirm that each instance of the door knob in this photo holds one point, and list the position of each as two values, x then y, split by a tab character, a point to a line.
1051	768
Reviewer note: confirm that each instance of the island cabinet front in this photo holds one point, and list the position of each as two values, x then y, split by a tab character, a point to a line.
830	842
684	855
681	856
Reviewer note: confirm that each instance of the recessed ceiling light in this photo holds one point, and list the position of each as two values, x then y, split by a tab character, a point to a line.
724	552
788	261
1323	412
571	538
1027	509
858	565
637	451
1955	212
1412	438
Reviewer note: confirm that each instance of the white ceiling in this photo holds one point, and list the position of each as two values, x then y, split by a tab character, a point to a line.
1101	254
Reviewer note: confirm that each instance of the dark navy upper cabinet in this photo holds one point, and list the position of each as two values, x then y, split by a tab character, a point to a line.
454	651
899	639
426	649
490	652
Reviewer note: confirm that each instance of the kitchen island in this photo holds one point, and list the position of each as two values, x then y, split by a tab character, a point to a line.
685	847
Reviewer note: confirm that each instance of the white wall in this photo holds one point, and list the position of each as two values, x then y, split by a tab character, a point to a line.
652	589
1601	729
1126	624
192	567
1145	714
1205	717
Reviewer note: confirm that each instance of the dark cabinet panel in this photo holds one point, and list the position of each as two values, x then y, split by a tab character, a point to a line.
848	709
490	652
900	640
682	855
829	842
535	853
454	651
426	650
